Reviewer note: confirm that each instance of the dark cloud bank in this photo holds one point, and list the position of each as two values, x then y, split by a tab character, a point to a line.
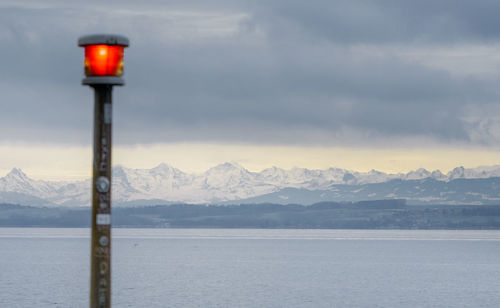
256	71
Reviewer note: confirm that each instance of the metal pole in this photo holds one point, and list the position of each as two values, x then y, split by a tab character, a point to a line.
103	69
100	264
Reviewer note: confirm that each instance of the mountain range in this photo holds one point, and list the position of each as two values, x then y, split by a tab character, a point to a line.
232	183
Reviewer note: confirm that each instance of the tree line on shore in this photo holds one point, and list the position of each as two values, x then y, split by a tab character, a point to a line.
378	214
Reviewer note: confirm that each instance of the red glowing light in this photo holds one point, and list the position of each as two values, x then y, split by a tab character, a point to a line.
104	60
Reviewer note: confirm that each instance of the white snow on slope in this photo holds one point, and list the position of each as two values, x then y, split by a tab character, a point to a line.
224	182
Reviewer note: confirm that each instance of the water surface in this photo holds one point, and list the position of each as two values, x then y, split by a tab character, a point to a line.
255	268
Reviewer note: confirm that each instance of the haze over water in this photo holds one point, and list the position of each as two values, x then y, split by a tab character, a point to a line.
255	268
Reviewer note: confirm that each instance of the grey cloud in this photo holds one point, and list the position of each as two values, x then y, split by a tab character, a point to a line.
384	21
282	73
385	95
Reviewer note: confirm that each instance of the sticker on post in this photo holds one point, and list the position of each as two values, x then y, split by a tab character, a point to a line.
102	184
103	219
107	113
104	240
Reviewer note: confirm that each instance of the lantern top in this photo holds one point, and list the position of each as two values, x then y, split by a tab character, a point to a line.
103	39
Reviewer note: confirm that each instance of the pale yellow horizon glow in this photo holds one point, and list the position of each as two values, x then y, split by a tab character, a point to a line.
50	162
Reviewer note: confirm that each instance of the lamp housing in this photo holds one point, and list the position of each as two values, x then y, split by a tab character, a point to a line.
103	62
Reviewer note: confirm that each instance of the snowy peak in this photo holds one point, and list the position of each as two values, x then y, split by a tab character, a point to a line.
17	174
457	173
438	175
17	181
227	168
227	176
273	174
164	169
162	166
418	174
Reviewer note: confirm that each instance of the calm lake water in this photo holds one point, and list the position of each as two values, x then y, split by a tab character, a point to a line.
255	268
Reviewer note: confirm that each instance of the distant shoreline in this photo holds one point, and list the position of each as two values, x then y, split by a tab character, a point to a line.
369	215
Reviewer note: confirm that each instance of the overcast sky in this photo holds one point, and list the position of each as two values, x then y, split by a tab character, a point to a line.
346	74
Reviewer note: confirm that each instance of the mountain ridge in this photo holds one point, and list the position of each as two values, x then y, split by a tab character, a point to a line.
231	182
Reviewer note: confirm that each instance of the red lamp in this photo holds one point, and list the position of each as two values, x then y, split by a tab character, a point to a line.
103	58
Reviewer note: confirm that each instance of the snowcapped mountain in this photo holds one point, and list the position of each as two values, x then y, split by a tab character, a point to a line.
17	187
17	181
231	182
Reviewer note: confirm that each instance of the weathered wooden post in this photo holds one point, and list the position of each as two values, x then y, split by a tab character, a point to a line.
103	70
